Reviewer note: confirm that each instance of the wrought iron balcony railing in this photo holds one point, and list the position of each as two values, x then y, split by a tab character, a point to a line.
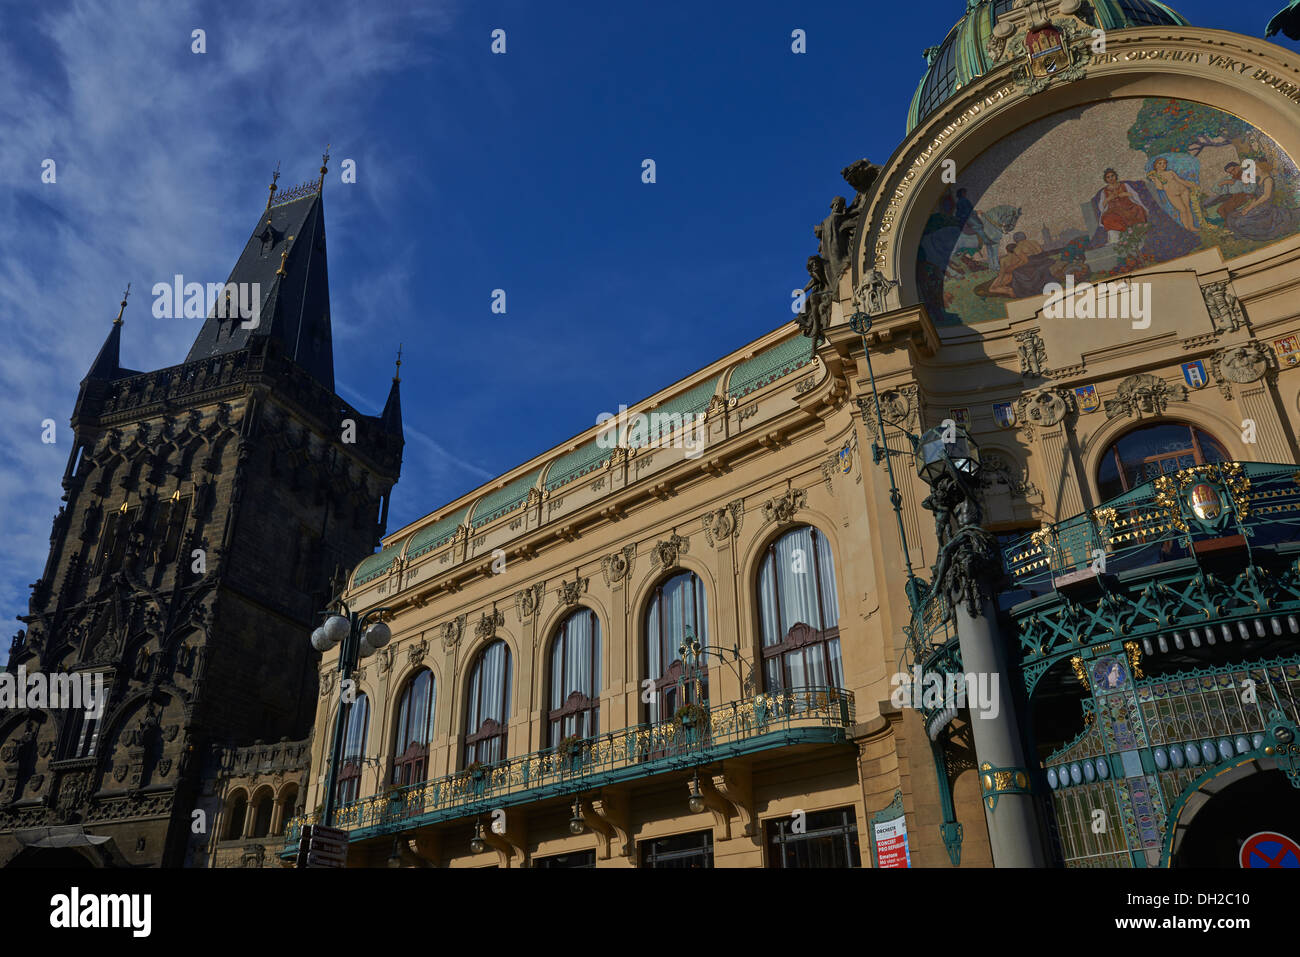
790	716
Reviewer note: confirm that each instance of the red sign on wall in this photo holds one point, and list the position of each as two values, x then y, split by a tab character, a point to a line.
891	843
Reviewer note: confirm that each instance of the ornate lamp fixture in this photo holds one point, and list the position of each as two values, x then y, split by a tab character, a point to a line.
941	450
576	824
477	844
696	801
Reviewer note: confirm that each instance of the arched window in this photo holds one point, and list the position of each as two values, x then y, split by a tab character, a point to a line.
356	717
488	711
414	730
235	817
575	677
1146	453
677	605
262	808
799	612
288	806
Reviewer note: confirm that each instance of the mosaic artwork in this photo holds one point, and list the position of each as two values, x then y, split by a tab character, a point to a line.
1096	192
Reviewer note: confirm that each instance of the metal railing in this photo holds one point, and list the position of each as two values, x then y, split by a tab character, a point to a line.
1150	524
765	720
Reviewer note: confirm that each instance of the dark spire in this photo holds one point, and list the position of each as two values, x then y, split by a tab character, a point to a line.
391	417
107	364
285	262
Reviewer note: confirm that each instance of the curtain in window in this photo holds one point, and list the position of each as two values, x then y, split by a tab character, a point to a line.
678	604
354	741
575	666
796	585
356	723
415	717
830	606
788	586
489	698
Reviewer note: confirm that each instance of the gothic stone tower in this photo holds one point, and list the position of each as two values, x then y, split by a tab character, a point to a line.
207	507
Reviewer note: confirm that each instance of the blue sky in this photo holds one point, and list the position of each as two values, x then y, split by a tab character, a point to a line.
474	172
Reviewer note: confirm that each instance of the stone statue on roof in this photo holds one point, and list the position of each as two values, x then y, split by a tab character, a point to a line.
834	236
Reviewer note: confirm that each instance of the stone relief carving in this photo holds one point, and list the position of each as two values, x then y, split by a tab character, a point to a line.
528	601
488	624
783	509
722	524
1223	306
416	651
1144	394
1242	364
1033	354
999	470
570	592
452	632
618	566
872	294
899	407
669	551
1043	409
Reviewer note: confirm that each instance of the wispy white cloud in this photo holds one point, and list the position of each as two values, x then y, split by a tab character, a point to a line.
157	151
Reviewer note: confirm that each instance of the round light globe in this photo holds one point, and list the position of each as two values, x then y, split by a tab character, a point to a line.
320	642
366	649
336	628
378	635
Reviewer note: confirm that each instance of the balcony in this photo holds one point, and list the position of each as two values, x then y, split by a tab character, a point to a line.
813	715
1148	570
1157	522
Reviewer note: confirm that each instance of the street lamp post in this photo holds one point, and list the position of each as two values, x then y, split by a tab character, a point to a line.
361	635
948	461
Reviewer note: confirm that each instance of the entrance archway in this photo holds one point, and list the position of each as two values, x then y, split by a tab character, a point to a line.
1221	813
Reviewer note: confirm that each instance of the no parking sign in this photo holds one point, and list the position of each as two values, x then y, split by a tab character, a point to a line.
1270	849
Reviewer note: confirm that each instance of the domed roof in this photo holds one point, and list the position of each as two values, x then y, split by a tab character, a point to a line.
963	56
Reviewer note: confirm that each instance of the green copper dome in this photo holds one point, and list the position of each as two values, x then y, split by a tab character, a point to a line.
963	55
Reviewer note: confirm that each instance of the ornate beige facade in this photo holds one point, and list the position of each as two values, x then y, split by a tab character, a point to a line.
788	440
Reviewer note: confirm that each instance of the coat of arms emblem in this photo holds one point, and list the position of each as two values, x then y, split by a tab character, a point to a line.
1047	51
1086	396
1194	374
